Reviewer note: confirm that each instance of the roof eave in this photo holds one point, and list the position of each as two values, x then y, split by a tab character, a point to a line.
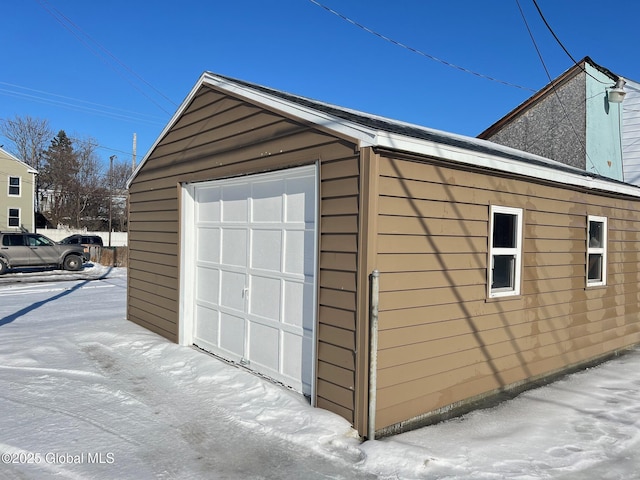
569	176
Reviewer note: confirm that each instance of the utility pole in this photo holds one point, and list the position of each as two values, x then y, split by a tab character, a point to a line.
133	158
110	192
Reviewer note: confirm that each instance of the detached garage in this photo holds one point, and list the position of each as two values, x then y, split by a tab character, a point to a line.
391	273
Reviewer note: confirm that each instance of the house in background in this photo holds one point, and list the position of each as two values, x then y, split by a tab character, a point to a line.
392	273
573	121
631	133
17	193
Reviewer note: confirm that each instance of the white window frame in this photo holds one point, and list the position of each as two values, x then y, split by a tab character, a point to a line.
19	186
601	250
9	217
516	252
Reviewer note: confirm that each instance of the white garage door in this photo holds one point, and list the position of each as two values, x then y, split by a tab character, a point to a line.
255	263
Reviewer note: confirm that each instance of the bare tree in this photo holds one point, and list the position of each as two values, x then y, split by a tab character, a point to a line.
72	183
29	136
89	190
119	176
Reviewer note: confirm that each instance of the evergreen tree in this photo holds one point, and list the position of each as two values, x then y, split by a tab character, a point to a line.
58	178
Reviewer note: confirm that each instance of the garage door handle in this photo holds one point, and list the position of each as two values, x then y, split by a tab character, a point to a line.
245	292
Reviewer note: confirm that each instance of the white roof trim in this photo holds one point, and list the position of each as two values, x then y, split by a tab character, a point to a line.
369	137
472	157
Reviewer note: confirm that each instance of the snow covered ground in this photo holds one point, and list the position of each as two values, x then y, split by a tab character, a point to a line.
85	394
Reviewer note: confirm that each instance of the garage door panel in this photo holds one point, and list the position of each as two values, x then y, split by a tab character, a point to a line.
234	247
264	297
300	200
232	335
297	362
208	325
232	291
208	244
267	201
207	285
235	201
266	249
264	347
292	363
299	304
208	204
299	252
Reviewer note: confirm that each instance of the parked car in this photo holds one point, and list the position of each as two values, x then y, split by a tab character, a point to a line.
19	249
87	241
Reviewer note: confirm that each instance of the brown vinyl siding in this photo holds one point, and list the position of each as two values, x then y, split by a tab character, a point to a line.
219	136
441	339
336	371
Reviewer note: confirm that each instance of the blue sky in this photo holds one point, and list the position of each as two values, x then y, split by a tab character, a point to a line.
109	69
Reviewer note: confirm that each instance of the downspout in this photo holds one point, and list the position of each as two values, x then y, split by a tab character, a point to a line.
373	353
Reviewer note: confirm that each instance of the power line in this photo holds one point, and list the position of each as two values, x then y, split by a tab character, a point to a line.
415	50
553	87
76	107
553	33
73	28
575	62
151	117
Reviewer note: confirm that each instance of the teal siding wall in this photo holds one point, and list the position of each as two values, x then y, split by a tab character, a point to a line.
603	136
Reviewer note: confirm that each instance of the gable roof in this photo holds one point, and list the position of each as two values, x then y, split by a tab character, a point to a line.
375	131
567	76
4	153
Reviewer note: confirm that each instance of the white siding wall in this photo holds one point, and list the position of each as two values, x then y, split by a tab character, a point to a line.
631	133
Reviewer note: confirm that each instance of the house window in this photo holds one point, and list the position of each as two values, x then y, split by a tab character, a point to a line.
14	186
14	217
505	251
596	251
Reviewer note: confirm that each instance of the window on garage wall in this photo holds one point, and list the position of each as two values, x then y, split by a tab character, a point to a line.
596	251
505	251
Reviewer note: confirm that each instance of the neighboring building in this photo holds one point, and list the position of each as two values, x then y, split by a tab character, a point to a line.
631	133
572	121
258	218
17	193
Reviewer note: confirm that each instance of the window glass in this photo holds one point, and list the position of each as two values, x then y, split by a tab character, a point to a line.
14	186
505	251
14	217
39	241
503	271
595	267
595	234
596	251
504	231
13	241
